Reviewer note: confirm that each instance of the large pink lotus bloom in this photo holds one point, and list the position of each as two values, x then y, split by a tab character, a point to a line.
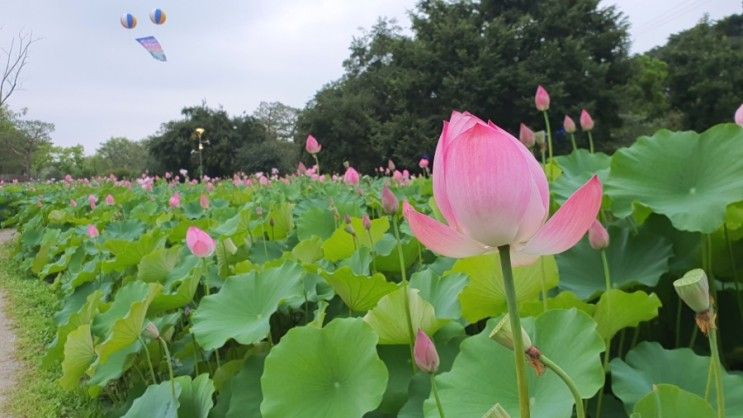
586	121
110	201
92	231
351	177
492	192
739	115
542	99
175	200
311	145
199	242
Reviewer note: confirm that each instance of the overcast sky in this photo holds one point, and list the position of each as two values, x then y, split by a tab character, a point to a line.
89	77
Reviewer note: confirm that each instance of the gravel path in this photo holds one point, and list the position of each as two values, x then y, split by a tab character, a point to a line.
9	365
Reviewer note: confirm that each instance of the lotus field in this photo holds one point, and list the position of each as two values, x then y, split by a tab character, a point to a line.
491	284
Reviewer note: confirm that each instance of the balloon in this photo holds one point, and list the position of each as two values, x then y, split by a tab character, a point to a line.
157	16
128	21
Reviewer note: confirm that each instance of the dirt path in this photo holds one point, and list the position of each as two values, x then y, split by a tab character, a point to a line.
8	362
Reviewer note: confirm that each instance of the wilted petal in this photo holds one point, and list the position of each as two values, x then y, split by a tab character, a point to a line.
440	238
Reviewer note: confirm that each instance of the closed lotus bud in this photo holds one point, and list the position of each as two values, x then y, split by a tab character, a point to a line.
230	246
526	136
92	231
739	115
503	335
92	201
366	222
204	201
110	201
351	177
390	165
598	236
312	146
496	411
586	122
389	201
151	331
542	99
175	200
693	289
425	354
423	163
568	124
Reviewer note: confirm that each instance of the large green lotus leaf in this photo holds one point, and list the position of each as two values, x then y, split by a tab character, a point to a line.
156	401
577	168
333	372
633	259
389	321
563	300
283	222
483	373
114	368
242	307
650	364
669	401
234	225
341	244
127	329
484	296
155	266
130	253
59	264
79	354
617	309
691	178
360	293
246	395
308	250
127	230
180	286
84	315
440	291
195	399
314	221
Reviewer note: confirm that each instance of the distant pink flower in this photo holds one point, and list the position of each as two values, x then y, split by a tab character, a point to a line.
204	201
175	200
542	99
492	192
110	201
92	201
389	201
568	124
586	122
199	242
598	236
739	115
425	354
311	145
92	231
210	187
526	136
423	163
73	203
390	165
301	169
397	177
351	177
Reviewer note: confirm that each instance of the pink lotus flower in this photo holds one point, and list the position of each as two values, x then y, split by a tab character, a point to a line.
542	99
389	201
739	115
199	242
110	201
598	236
92	201
311	145
204	201
175	200
569	124
92	231
351	177
492	192
390	165
526	136
425	354
423	163
586	122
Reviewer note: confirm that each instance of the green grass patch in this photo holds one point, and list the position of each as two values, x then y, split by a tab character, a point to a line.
30	304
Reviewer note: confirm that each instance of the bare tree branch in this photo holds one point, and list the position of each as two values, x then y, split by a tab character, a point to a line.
16	59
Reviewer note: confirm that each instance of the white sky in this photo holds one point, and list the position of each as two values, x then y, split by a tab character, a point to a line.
89	77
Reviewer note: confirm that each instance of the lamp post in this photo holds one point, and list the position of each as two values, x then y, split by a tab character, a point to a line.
198	134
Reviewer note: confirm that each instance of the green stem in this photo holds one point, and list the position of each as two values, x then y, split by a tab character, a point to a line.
607	353
580	412
710	374
543	162
607	276
149	361
549	133
544	285
170	366
403	273
572	140
678	323
374	261
590	142
317	163
435	391
735	269
513	314
715	357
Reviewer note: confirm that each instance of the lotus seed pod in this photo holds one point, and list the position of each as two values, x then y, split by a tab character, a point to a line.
503	335
540	138
693	289
496	411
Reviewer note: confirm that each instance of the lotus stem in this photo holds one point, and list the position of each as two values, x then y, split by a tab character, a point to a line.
735	269
435	391
607	353
404	275
149	361
715	359
579	410
590	141
549	133
170	366
317	163
572	141
544	285
518	343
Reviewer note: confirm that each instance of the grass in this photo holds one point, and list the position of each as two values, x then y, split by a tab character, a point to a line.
30	306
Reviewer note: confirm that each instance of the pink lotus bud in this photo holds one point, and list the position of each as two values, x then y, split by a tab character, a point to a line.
526	136
199	242
73	203
347	219
351	177
423	163
311	145
542	99
391	165
586	122
389	201
151	331
598	236
425	354
569	124
739	115
92	231
92	200
175	200
204	201
110	201
366	222
397	177
301	169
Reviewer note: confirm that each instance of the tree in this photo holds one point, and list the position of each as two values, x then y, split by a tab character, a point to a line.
122	157
23	138
279	120
15	59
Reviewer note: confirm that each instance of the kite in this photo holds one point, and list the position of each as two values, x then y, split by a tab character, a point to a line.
128	21
153	47
157	16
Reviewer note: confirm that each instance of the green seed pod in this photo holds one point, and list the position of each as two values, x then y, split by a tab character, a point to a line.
693	289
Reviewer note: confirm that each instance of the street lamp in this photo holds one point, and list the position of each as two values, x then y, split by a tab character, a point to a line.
198	133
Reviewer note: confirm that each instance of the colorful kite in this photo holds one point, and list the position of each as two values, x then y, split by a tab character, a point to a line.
153	47
128	21
157	16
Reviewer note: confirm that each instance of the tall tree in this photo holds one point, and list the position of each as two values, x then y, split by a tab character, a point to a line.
24	139
122	156
13	59
279	120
